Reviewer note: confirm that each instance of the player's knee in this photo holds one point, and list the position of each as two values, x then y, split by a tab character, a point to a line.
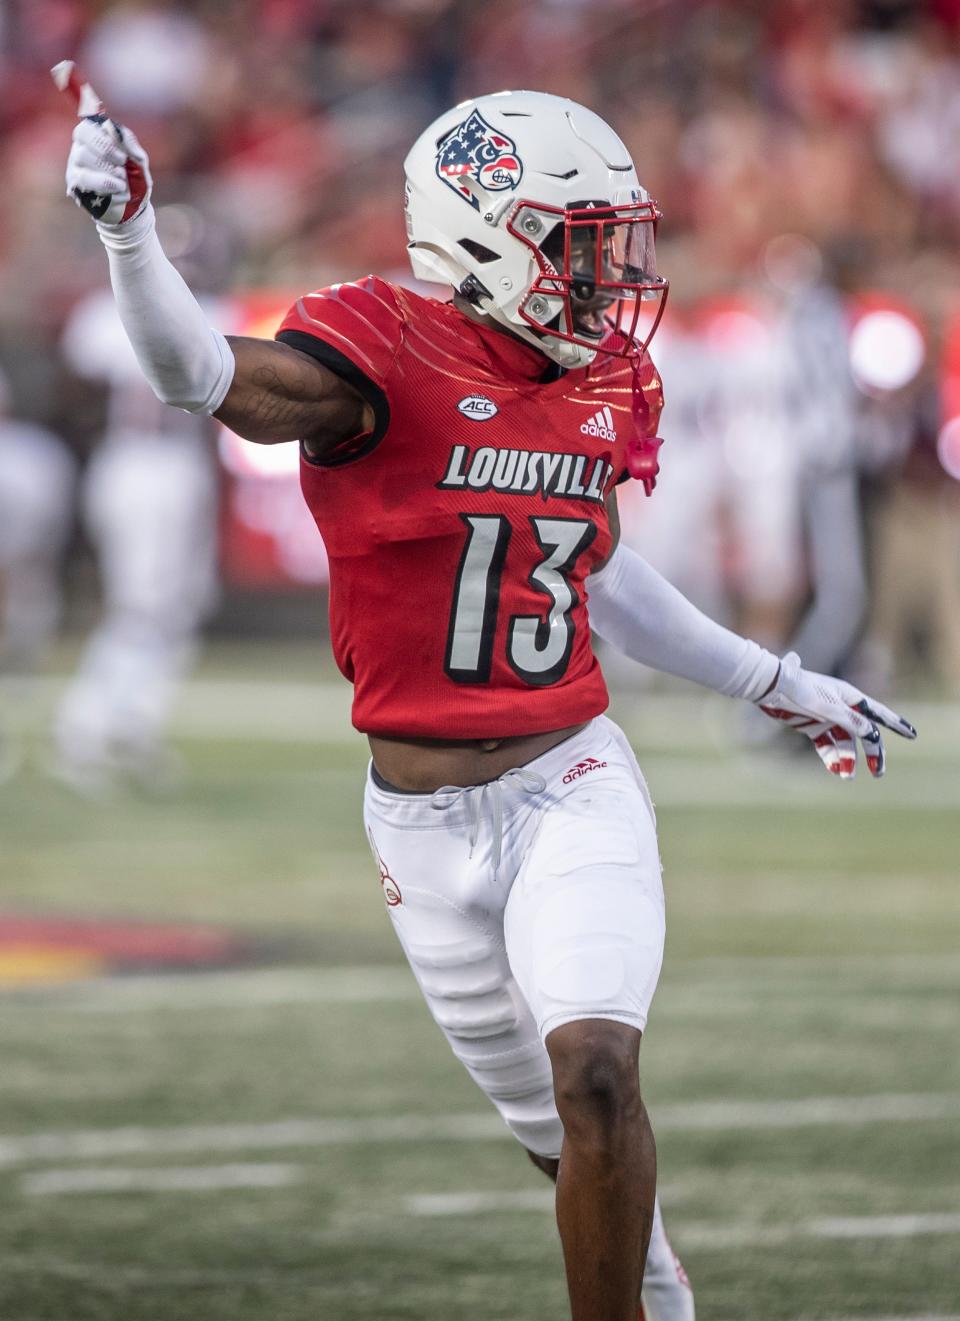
548	1164
596	1082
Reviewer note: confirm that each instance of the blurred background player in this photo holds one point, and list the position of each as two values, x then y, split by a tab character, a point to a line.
760	521
37	477
149	509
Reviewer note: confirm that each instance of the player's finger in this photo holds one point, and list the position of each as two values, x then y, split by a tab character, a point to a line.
95	181
874	753
827	752
882	715
99	134
838	752
852	720
91	156
68	80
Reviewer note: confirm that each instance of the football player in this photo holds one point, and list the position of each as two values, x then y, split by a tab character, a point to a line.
148	501
460	459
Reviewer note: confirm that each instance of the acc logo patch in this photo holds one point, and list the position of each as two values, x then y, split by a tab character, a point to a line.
478	408
476	151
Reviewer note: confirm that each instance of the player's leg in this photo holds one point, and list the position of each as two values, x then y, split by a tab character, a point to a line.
446	910
584	930
666	1293
608	1167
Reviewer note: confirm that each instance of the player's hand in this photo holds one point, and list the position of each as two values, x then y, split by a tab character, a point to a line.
108	172
834	715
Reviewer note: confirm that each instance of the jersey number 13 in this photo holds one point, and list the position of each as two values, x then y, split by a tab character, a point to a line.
538	646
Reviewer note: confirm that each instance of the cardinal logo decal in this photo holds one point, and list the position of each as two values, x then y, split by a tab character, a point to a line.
391	890
476	153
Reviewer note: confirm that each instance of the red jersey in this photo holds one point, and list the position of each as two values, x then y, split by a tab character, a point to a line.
461	530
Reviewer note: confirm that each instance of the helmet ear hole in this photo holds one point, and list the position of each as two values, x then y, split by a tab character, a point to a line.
477	251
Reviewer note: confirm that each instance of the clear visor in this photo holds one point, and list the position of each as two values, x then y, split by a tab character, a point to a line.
606	251
598	270
617	252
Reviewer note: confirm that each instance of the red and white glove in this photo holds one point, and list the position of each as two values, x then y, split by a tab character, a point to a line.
108	172
834	715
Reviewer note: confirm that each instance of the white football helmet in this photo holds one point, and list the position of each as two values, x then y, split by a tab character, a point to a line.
530	206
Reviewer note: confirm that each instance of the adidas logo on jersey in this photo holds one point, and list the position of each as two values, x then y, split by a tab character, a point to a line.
601	425
583	768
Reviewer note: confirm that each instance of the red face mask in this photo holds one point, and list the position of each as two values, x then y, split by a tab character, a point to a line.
598	287
598	281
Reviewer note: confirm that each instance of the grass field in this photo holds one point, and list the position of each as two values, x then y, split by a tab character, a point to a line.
291	1141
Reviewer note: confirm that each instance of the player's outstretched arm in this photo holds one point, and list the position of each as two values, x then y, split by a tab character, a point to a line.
637	611
264	391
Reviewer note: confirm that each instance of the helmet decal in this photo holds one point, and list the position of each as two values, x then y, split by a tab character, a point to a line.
476	153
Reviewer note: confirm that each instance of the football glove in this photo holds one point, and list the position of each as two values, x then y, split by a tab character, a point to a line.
833	714
108	172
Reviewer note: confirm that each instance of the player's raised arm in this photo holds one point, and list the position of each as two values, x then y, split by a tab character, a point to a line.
279	393
264	391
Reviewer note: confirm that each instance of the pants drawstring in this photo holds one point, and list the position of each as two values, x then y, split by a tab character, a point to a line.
475	795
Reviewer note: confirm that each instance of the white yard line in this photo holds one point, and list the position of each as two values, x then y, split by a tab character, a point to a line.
902	1226
679	782
171	1179
95	1144
114	1275
461	1204
243	987
704	1237
383	983
810	1112
701	1236
705	1116
927	1316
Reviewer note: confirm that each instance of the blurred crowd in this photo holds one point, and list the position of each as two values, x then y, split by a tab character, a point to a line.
806	157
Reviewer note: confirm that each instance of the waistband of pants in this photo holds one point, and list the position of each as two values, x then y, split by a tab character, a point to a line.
594	739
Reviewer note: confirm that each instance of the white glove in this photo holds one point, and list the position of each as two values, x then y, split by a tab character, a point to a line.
108	172
834	715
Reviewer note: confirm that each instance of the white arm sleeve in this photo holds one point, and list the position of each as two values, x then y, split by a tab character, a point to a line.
641	614
187	363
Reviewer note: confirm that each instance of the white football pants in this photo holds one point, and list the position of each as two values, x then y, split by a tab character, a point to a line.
526	903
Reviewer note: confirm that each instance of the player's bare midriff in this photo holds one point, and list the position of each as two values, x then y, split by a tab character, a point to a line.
423	765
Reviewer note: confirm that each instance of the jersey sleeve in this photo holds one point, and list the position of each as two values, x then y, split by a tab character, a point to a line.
356	331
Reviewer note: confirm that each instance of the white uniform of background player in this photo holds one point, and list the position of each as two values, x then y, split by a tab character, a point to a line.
733	460
760	433
37	477
149	508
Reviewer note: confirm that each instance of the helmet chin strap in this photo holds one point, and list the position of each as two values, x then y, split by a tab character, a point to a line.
474	291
